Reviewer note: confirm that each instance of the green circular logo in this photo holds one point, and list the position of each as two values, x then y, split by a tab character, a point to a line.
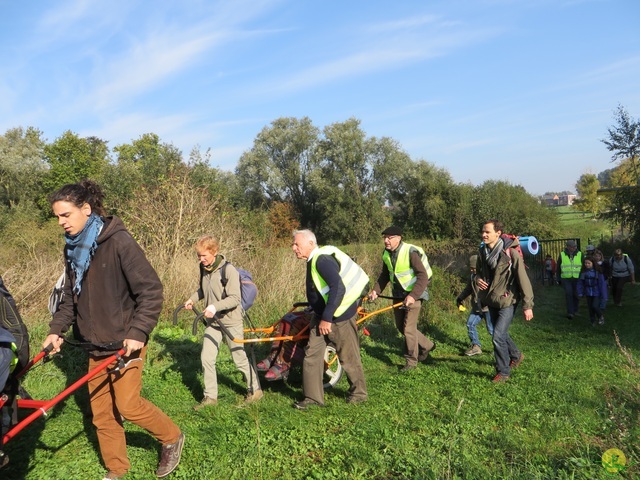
613	460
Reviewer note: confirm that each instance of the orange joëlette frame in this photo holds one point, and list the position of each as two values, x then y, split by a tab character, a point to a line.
363	315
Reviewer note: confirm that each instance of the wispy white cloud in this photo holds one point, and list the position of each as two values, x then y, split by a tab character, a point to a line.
137	62
144	65
625	67
403	24
371	53
125	128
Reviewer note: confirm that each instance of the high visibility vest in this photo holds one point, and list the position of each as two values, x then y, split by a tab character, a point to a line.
570	267
403	271
14	360
353	277
14	356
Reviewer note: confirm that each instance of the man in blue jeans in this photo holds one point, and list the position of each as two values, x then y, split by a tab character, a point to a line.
503	283
478	312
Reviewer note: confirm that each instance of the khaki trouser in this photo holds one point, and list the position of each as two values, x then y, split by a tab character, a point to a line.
344	335
407	323
211	347
118	394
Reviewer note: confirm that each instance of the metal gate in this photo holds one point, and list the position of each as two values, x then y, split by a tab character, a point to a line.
535	263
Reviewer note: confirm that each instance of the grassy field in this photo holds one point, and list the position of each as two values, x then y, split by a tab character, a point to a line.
584	226
574	397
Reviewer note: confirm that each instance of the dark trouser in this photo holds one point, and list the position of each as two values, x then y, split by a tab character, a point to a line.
617	285
344	335
593	304
549	277
570	286
407	323
504	348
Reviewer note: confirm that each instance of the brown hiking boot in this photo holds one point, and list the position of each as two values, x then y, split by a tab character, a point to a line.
500	378
515	362
206	402
474	350
170	457
253	397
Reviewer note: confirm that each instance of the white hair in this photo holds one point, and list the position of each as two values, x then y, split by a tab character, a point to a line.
307	234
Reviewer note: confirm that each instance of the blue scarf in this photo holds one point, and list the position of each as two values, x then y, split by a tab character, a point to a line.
81	248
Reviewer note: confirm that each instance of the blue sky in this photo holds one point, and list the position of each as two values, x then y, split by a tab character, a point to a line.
516	90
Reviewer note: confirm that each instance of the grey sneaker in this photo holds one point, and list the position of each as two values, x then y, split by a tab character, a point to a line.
601	320
170	457
474	350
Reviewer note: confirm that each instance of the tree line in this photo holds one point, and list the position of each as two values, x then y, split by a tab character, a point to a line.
614	194
339	182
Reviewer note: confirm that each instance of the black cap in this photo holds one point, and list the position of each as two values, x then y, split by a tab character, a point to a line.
393	230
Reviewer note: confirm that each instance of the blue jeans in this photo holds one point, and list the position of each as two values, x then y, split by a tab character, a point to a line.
504	348
595	312
472	323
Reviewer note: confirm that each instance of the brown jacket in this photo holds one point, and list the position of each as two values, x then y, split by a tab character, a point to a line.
121	294
508	283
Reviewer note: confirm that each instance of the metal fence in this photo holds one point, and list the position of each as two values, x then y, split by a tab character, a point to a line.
535	263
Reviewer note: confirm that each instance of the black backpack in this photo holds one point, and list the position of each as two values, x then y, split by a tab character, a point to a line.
11	320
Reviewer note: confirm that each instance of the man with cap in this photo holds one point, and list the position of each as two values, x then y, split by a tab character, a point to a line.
568	271
407	268
478	311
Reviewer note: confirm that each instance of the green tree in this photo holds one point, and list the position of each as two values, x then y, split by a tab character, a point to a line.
356	174
218	183
621	175
22	166
624	142
145	162
588	200
72	158
425	200
521	212
279	166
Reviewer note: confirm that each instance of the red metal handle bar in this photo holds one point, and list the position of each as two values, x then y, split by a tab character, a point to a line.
45	351
66	392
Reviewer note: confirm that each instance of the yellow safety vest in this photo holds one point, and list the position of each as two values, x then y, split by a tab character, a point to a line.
14	357
14	360
570	267
403	271
353	277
